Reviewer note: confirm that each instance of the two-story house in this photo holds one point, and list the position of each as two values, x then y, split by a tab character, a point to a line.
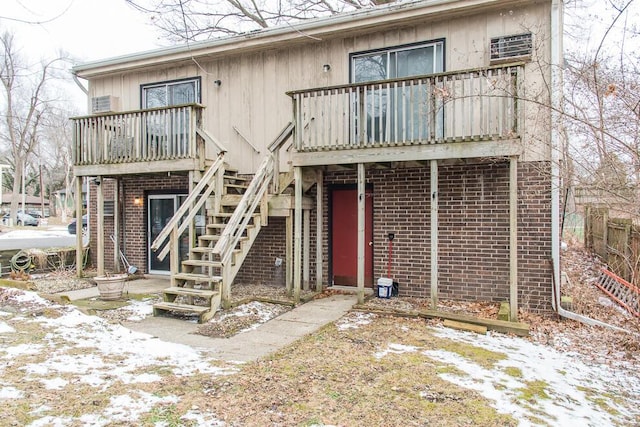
414	141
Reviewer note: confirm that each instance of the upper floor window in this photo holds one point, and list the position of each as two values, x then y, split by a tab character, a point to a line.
387	112
176	92
398	62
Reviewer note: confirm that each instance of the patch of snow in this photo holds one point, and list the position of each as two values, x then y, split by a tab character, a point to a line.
139	310
134	348
29	297
129	408
202	418
396	349
50	421
564	377
10	393
607	302
54	383
146	378
20	350
354	320
5	328
263	311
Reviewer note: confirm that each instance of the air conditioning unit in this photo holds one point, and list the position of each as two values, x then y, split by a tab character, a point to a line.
511	48
104	104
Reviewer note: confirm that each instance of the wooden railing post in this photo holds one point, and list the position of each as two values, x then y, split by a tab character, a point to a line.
414	110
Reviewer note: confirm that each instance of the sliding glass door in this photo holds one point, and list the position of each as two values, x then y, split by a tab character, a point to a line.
162	207
391	112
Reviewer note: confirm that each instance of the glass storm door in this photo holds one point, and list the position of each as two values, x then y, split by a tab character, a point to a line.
392	113
162	207
161	210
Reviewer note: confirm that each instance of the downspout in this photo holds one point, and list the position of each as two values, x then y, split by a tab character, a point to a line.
556	107
80	85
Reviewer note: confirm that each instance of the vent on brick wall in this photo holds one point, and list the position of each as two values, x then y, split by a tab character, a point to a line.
108	208
511	47
104	104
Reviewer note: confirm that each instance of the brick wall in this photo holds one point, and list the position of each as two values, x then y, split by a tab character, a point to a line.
259	266
473	230
134	221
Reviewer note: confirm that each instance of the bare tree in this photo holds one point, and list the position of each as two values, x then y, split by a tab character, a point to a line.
602	101
27	105
191	20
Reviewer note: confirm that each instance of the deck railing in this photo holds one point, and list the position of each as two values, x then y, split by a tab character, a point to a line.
479	104
136	136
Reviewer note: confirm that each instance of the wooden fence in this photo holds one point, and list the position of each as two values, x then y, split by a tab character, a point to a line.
615	240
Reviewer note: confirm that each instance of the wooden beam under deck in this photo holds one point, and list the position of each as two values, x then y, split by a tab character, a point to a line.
157	166
452	150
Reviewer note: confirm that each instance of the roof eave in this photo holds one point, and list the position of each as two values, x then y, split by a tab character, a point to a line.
280	36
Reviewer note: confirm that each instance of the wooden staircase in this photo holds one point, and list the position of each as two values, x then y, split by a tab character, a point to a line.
236	210
196	290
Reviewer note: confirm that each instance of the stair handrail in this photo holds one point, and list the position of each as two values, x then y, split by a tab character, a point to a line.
206	186
255	192
211	139
242	214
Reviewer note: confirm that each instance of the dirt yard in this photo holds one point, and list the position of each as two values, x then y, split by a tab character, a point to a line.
60	367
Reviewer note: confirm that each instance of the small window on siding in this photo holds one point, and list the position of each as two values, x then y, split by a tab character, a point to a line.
511	47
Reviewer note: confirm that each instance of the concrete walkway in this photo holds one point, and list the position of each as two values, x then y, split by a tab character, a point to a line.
244	347
262	341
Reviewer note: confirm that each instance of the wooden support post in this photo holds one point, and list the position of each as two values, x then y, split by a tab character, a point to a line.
434	233
297	240
79	242
217	192
192	229
116	226
306	224
319	220
226	286
513	237
100	225
289	253
361	235
174	254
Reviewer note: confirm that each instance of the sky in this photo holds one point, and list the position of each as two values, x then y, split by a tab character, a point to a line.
87	30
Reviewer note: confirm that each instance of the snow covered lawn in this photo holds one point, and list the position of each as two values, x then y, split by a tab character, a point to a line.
59	367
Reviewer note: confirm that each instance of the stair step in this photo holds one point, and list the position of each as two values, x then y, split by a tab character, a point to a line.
195	277
202	249
216	226
237	178
203	313
219	227
202	263
203	293
209	237
207	250
228	169
231	199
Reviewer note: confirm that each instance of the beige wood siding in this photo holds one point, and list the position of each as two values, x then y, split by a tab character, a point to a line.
252	95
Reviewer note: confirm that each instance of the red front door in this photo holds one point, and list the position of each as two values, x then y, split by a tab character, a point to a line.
344	237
